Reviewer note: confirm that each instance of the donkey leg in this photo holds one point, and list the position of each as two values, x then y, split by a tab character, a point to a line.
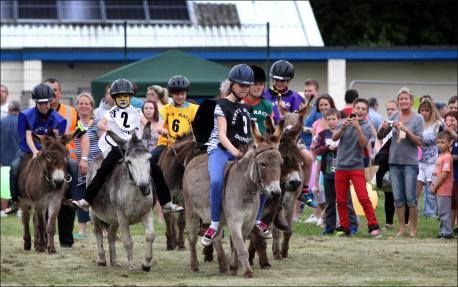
181	224
234	263
53	212
276	243
251	248
193	225
112	236
40	227
26	225
149	238
285	243
260	244
221	255
98	233
170	235
127	239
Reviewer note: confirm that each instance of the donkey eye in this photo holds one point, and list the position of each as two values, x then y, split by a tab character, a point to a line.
48	158
263	165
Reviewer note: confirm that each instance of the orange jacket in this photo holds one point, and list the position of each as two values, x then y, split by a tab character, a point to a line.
70	114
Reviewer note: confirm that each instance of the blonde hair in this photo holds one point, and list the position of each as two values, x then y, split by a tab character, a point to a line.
405	90
91	100
162	93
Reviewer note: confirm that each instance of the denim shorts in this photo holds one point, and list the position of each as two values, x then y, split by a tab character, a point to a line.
404	184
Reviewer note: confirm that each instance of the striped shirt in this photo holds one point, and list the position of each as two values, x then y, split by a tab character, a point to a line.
94	150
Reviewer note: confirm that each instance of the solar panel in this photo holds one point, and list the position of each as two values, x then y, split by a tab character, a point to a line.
125	10
7	10
81	10
168	10
37	9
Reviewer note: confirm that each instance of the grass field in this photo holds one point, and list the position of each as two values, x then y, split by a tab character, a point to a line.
314	260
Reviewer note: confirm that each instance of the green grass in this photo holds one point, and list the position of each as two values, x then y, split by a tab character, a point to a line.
314	260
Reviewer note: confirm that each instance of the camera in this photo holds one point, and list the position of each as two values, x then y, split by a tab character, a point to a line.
390	123
352	115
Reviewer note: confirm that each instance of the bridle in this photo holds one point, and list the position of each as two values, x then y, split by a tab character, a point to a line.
260	186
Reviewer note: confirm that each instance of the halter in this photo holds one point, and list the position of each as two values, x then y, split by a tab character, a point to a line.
260	186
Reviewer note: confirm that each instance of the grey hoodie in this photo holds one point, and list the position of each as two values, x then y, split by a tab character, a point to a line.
350	155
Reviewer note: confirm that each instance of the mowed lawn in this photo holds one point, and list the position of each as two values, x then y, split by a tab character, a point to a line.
314	260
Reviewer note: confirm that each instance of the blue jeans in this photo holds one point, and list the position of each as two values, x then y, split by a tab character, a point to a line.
430	206
262	203
217	160
404	184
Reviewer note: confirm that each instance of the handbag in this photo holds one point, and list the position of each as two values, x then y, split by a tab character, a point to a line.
383	155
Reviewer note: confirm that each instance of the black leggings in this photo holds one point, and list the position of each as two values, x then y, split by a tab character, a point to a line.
389	209
162	190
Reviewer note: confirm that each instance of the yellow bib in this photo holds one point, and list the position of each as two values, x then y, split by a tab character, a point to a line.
177	121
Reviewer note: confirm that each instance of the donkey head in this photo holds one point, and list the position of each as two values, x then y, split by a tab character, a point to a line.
291	177
136	160
53	156
266	167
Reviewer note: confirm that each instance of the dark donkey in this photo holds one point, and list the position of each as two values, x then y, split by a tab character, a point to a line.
42	183
291	183
172	162
258	170
125	199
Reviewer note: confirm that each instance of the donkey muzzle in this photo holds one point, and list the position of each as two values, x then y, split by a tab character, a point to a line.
58	183
144	189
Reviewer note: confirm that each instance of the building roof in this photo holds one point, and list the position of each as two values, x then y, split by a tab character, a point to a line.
210	24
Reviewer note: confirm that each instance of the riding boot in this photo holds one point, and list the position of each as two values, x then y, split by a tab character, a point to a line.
105	169
14	190
162	190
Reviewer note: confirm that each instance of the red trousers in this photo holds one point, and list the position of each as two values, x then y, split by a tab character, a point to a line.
342	183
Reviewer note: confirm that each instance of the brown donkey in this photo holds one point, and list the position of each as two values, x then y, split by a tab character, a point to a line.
258	170
172	162
291	183
42	183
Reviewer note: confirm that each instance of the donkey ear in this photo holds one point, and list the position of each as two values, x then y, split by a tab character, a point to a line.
304	110
146	135
275	138
67	138
258	138
269	123
281	110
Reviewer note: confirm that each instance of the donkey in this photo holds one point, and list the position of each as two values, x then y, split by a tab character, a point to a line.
258	170
291	183
126	198
172	162
42	183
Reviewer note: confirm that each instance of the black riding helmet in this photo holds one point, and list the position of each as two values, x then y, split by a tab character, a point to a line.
242	74
121	86
178	83
259	74
282	70
42	93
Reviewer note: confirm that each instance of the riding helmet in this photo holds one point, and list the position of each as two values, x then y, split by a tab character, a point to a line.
242	74
42	93
121	86
259	74
178	83
282	70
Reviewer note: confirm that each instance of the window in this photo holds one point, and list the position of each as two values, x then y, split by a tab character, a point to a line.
37	9
168	10
73	10
125	9
7	10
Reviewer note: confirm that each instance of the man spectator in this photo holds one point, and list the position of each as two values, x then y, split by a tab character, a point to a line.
453	104
9	140
4	101
375	118
105	105
66	216
350	97
443	109
311	93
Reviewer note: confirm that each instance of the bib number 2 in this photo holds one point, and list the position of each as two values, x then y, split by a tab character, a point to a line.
125	116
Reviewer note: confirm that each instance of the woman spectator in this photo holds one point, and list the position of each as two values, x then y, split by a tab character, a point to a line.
407	136
151	113
432	125
157	94
84	154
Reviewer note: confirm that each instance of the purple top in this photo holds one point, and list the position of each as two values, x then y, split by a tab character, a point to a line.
291	98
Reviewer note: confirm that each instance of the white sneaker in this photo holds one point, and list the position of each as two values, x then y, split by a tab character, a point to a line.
19	213
312	219
320	222
3	214
170	207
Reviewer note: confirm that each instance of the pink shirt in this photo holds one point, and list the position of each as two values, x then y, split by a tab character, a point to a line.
444	163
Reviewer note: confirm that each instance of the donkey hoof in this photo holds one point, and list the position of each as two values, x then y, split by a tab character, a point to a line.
277	257
101	264
284	255
194	269
181	248
208	258
40	249
248	274
52	250
233	270
223	269
146	268
266	266
27	245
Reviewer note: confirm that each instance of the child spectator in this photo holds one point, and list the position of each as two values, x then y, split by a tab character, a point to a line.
327	148
442	184
451	125
354	133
